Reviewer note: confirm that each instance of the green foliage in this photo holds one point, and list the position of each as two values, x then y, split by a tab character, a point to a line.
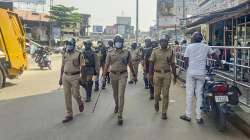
64	15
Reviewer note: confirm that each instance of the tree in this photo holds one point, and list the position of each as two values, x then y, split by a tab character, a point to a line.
65	16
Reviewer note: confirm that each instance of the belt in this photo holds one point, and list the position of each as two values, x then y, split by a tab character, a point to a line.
74	73
119	72
162	71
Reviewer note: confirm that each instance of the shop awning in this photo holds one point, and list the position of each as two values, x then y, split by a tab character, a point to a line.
204	18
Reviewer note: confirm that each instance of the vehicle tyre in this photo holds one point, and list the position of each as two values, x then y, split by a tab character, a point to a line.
41	67
49	66
221	120
2	79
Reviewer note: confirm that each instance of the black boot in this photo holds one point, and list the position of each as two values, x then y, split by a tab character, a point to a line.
151	87
88	91
146	83
130	82
96	86
104	84
108	78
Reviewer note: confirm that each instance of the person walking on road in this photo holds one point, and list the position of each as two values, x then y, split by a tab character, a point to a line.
90	68
117	60
147	51
162	63
195	61
135	58
72	62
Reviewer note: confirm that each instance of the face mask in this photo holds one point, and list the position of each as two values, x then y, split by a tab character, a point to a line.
118	45
70	48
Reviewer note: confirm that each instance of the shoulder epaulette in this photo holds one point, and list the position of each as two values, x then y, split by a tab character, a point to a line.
156	48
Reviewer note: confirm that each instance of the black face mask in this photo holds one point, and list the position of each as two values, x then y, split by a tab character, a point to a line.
164	44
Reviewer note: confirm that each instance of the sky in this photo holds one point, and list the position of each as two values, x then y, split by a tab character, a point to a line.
104	12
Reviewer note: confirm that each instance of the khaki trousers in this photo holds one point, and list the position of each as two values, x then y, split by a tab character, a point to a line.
135	67
119	82
71	88
162	83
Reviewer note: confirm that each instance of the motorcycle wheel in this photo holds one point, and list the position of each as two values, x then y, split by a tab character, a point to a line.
49	67
41	67
221	121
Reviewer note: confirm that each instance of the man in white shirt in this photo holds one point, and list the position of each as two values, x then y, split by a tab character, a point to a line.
195	61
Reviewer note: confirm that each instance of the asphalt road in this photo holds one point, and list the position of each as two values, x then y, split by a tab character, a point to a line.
32	108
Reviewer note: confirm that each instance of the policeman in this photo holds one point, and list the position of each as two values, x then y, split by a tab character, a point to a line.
135	56
162	62
98	65
72	62
103	52
145	57
90	68
118	59
110	48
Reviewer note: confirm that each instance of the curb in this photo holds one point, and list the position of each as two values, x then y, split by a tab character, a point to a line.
239	122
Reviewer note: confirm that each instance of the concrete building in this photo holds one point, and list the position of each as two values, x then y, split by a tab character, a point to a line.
124	26
185	8
37	25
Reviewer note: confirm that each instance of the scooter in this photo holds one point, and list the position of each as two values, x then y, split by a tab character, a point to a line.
218	99
42	59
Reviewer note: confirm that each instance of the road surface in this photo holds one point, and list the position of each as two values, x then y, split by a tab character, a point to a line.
32	108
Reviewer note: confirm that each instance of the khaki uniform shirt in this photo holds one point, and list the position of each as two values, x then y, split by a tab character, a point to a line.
135	55
162	58
72	62
118	60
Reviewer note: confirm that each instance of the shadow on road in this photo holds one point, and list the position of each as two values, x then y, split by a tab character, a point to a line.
37	69
8	84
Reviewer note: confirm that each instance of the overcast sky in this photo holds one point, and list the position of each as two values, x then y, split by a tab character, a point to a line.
104	12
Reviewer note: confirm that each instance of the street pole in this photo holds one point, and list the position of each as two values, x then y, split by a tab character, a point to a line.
50	26
157	20
137	21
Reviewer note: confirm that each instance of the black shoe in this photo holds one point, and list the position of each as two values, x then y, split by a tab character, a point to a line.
96	89
130	82
146	87
81	107
157	107
103	87
120	120
67	119
116	109
164	116
185	118
88	100
200	121
151	98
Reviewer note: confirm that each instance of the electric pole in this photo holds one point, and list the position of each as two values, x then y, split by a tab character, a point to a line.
137	21
157	20
51	25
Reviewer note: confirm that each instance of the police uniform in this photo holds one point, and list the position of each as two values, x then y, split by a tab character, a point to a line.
72	62
135	58
118	60
147	54
98	67
89	71
103	52
162	60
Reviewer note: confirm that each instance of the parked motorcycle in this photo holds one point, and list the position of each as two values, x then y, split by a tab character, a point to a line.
42	58
218	98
